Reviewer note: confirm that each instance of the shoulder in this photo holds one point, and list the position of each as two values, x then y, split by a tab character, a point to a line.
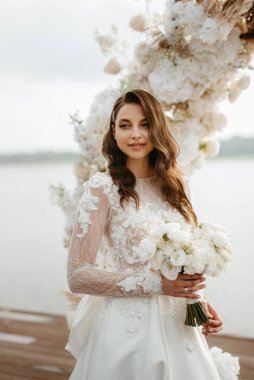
101	181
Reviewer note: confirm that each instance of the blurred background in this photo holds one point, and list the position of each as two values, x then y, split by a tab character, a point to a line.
50	66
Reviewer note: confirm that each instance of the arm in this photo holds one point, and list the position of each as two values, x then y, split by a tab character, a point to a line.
90	225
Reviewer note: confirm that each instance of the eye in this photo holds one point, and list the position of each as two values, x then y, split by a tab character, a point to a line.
145	125
123	125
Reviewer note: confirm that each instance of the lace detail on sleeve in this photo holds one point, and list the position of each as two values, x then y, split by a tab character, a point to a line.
86	208
92	222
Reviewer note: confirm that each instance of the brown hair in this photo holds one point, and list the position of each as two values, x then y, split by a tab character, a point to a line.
162	158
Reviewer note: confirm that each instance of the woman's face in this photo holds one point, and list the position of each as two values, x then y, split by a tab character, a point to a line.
131	131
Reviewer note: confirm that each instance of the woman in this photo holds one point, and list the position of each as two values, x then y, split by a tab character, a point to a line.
135	330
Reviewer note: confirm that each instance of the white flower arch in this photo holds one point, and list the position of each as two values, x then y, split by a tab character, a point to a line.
191	58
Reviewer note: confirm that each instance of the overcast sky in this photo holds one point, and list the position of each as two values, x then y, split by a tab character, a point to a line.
50	66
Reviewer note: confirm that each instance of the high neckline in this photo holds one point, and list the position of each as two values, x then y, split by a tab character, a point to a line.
144	178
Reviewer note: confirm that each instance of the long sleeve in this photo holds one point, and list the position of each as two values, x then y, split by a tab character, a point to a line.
83	275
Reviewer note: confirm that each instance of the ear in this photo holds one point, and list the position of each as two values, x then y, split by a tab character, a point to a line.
114	134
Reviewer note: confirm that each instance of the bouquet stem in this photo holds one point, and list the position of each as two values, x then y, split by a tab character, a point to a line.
195	315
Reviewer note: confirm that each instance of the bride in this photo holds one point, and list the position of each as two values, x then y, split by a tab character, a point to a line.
129	324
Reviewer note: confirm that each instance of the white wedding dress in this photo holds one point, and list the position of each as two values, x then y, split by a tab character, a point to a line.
125	328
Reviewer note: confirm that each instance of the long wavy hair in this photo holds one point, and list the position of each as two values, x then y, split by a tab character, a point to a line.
162	159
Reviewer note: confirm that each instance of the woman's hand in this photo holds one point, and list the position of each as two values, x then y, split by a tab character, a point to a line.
215	322
184	286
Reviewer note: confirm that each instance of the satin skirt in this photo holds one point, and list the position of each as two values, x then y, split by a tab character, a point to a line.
135	338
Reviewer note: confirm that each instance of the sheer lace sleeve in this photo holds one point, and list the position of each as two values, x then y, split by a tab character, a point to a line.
83	275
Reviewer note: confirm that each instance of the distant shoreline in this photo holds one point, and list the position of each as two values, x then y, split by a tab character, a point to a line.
42	157
236	147
69	160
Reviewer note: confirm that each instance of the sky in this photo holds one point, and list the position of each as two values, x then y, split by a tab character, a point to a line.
51	66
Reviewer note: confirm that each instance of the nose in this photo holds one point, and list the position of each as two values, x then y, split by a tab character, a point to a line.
135	132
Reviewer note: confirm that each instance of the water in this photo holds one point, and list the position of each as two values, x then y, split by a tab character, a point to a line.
33	260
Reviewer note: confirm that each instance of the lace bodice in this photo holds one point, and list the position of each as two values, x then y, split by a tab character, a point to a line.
100	215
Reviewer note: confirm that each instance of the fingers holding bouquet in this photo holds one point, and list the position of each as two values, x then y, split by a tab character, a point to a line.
190	285
185	286
215	324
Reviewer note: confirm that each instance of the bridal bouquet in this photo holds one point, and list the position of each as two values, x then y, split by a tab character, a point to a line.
172	250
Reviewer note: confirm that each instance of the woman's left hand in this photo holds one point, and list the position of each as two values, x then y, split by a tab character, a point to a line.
215	322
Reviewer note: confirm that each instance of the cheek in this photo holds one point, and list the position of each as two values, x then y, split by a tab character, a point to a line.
121	136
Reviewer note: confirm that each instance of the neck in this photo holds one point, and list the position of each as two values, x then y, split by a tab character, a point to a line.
140	168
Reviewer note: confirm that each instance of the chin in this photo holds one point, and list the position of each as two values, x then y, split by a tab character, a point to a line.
138	155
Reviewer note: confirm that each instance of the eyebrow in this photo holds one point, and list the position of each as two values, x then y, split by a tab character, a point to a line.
145	119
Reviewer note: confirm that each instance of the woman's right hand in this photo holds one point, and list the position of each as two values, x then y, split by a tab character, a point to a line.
184	286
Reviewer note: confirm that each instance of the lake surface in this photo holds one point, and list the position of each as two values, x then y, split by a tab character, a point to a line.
33	259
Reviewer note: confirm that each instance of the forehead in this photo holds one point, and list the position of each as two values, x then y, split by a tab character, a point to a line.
131	111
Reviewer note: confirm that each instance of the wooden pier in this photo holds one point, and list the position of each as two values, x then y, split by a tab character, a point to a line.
32	347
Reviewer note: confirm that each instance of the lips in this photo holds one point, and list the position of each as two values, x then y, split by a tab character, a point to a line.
136	144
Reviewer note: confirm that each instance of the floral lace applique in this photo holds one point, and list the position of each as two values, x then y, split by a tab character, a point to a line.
88	202
135	311
178	313
149	281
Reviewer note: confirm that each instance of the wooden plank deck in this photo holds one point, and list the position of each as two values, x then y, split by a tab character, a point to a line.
44	358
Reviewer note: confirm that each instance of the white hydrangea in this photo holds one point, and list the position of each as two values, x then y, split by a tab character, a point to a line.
213	122
187	135
171	81
188	14
89	134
